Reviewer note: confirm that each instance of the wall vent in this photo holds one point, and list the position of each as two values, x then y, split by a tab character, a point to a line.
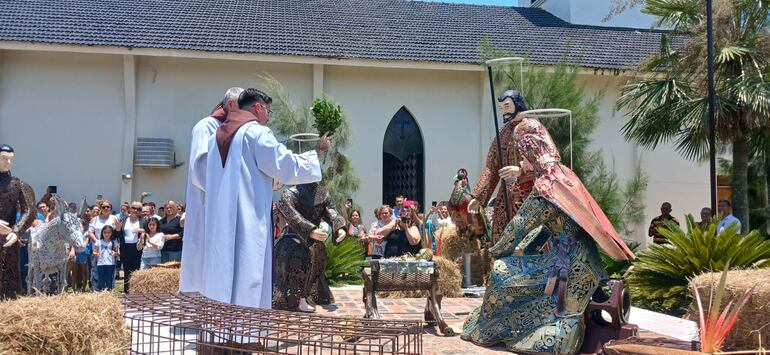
155	153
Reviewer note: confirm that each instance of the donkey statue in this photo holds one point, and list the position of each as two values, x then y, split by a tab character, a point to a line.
48	249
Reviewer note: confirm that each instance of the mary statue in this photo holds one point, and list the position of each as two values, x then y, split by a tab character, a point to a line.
547	265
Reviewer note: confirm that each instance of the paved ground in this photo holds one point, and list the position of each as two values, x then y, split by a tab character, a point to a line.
349	304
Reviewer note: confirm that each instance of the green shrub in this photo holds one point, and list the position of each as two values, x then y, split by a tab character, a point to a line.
344	263
617	268
659	276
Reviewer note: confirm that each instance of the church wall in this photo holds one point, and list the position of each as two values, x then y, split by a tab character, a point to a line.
63	114
444	104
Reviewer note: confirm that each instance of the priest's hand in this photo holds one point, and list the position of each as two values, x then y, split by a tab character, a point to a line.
319	234
4	227
10	239
473	206
323	144
509	172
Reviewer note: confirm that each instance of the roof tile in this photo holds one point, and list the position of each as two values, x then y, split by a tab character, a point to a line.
368	29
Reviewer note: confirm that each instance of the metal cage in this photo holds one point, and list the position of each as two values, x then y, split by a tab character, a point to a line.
189	323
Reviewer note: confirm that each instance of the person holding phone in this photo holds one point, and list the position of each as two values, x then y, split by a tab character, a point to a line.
441	218
405	237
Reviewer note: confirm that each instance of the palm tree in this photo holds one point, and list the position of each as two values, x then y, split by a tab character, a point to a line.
667	101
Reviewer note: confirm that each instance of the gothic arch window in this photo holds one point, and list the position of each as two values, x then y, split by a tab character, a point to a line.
403	159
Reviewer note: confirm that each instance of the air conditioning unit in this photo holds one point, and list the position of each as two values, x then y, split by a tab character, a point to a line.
155	153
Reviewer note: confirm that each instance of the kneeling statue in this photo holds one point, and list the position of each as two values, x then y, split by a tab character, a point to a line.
547	265
300	254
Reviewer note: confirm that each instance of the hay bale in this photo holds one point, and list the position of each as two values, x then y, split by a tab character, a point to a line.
454	246
754	319
70	323
649	346
449	277
158	280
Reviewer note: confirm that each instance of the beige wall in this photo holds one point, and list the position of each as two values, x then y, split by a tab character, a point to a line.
64	114
443	103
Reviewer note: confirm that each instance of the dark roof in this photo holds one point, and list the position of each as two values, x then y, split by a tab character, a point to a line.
362	29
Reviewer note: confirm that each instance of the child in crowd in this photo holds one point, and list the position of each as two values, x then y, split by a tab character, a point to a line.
151	243
106	251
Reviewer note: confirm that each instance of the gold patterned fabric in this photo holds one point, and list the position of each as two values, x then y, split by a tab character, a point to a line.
546	270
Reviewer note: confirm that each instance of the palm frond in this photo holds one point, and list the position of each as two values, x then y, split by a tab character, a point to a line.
730	53
344	262
678	14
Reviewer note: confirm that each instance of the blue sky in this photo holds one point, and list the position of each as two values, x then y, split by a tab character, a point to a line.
482	2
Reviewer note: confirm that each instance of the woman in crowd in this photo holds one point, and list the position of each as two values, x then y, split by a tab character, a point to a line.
130	255
150	243
356	230
106	252
379	230
405	236
171	228
440	216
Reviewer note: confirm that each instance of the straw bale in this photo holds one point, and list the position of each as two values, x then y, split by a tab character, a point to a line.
169	265
157	280
449	277
70	323
754	319
454	247
649	346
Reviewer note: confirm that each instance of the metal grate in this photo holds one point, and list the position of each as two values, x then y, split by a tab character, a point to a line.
155	153
188	323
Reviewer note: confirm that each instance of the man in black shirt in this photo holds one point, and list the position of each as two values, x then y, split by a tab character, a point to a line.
665	215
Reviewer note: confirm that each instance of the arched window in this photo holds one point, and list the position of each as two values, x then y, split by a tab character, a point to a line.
403	159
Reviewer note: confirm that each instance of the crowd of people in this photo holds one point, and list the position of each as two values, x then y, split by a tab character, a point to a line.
136	236
706	215
396	230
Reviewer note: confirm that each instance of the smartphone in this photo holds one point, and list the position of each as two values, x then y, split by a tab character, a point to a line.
350	201
149	193
52	189
404	219
434	203
98	197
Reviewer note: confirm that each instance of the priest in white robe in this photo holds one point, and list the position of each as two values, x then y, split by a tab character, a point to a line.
244	158
191	275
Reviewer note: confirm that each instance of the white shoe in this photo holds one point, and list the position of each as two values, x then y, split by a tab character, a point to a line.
305	307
